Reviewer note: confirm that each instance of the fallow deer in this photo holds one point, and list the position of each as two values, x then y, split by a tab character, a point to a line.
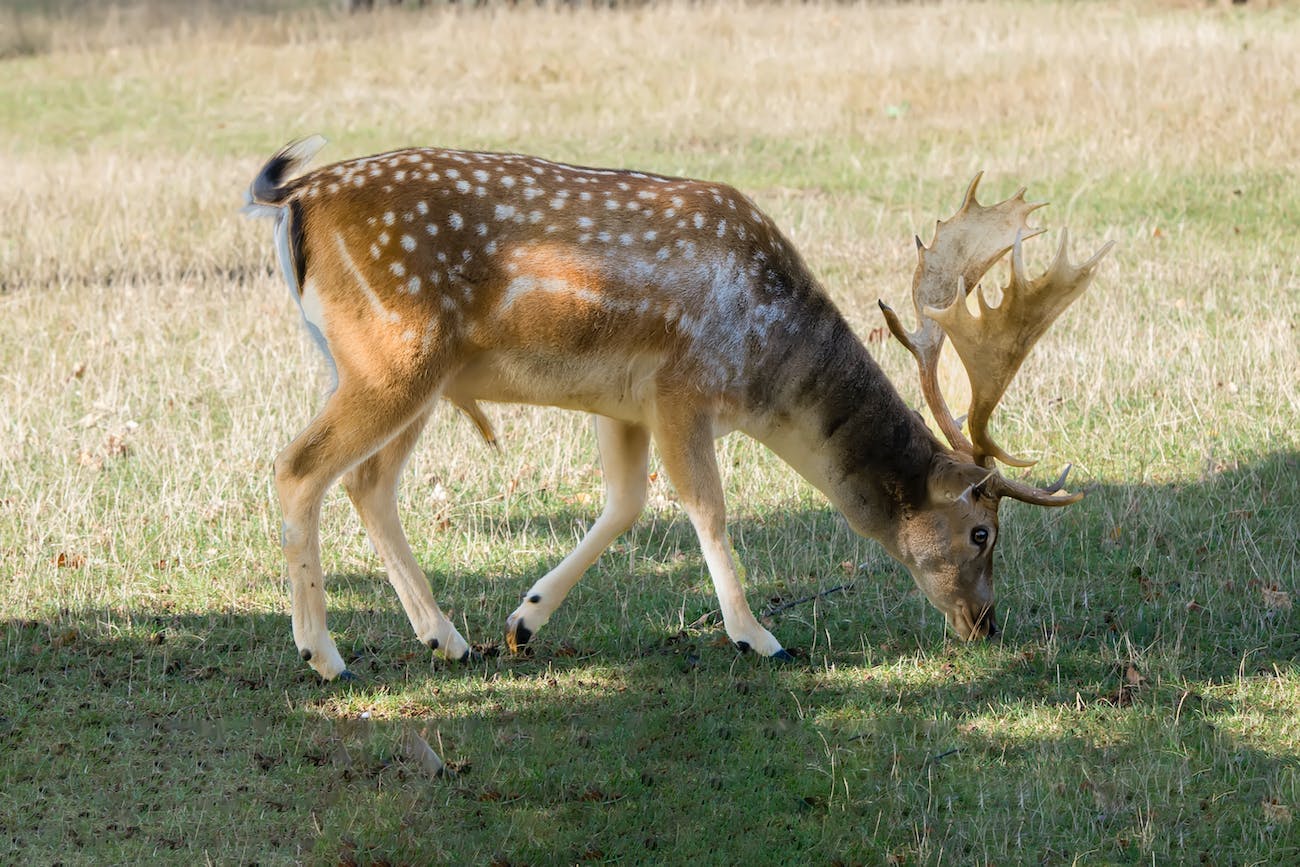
670	309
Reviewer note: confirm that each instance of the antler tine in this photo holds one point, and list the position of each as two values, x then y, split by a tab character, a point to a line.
964	248
993	346
1046	496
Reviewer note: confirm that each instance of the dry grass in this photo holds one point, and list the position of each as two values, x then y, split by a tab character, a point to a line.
151	364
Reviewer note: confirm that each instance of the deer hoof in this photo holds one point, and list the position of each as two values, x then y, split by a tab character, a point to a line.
471	655
348	676
783	655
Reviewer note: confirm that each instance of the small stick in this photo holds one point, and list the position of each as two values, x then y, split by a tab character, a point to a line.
787	606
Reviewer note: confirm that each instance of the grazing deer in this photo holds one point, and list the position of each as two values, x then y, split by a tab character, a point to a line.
668	308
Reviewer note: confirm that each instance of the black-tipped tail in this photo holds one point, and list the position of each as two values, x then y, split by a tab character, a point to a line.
269	187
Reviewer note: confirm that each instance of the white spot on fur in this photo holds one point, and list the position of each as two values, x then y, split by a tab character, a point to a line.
698	220
408	243
431	228
421	208
480	176
374	251
383	239
455	220
389	218
462	186
503	212
398	269
508	181
413	285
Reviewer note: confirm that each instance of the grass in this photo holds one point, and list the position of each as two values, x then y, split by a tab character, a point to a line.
1142	704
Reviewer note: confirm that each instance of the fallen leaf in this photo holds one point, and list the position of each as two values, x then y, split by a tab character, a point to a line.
64	638
1278	600
67	560
1276	812
1134	677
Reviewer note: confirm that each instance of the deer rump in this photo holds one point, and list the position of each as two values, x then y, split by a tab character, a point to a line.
673	310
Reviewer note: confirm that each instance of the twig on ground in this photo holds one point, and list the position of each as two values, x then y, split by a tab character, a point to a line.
777	609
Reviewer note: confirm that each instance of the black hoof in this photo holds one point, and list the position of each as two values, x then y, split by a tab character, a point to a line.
783	655
348	676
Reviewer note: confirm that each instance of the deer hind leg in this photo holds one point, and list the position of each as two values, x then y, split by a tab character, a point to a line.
624	452
354	423
372	487
684	436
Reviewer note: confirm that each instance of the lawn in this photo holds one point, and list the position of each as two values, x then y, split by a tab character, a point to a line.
1142	703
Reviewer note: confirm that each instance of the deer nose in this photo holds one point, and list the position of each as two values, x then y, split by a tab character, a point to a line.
987	624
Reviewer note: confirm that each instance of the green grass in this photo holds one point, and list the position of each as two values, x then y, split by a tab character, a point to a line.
1142	704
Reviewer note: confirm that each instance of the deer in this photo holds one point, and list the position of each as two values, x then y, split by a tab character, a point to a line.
670	309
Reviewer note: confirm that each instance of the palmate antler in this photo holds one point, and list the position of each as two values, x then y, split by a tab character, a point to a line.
993	344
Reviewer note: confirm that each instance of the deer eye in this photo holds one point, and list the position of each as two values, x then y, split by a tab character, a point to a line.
979	536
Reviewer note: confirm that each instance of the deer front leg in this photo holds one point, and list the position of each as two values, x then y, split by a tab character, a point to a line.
684	435
372	487
624	450
353	424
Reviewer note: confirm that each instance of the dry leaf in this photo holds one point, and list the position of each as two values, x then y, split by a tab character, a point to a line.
64	638
1134	677
1276	812
68	560
115	446
1278	600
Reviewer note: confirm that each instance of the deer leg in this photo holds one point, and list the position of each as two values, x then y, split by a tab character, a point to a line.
372	487
624	451
354	423
685	440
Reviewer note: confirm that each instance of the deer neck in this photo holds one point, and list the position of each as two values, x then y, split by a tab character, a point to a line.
826	408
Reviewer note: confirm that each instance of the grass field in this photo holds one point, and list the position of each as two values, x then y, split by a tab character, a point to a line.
1142	705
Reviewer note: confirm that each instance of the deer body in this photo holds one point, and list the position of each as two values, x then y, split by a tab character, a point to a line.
669	308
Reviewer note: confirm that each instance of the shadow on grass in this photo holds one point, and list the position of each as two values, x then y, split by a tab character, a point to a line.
1141	707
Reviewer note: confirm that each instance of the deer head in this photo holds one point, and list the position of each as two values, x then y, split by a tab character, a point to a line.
947	545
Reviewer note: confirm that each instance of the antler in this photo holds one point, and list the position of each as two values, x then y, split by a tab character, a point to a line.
964	248
994	344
